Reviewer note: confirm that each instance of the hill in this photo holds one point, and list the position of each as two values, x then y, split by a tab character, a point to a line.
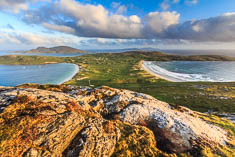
57	49
160	56
37	120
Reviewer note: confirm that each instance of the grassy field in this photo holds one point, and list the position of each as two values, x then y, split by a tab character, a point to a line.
123	70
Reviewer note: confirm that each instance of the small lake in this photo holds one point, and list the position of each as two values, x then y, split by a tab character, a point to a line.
12	75
192	71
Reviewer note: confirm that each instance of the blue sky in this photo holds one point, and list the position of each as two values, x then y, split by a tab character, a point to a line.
86	24
201	9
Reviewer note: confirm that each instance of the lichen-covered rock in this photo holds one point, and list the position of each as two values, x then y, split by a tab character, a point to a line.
43	123
176	130
37	120
97	138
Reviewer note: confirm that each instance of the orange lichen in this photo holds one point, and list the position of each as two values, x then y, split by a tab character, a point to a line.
109	127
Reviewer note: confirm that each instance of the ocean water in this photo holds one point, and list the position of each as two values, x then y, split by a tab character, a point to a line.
229	53
44	54
192	71
12	75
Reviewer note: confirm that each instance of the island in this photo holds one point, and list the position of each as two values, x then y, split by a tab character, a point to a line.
57	49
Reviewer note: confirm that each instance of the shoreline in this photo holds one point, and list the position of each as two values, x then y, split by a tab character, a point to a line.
77	69
154	74
55	82
178	77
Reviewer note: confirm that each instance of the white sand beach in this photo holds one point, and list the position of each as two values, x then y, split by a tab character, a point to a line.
153	73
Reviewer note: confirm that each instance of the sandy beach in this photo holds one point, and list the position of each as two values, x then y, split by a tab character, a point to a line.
152	73
71	77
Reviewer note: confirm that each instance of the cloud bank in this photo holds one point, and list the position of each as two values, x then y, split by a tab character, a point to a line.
166	4
13	5
31	39
86	20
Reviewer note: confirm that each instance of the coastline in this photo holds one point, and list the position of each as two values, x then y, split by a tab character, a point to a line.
64	76
71	77
154	74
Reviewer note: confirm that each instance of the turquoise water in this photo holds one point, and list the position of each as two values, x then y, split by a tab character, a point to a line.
191	71
12	75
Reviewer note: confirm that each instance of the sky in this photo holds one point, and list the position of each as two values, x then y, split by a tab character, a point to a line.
106	24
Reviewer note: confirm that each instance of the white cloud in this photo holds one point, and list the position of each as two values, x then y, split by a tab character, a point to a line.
229	14
59	28
196	28
120	9
95	21
191	2
15	6
86	20
8	38
157	22
100	40
115	4
30	39
217	29
70	16
165	5
176	1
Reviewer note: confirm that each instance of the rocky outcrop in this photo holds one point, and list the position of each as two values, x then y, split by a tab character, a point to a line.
72	121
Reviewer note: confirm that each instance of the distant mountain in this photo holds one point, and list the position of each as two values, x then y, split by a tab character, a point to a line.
58	49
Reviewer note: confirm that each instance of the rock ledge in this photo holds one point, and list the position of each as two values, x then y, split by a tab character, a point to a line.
76	121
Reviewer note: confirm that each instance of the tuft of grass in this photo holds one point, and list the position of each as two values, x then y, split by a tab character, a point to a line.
136	141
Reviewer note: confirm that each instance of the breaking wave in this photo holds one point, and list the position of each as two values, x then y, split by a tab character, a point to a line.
182	77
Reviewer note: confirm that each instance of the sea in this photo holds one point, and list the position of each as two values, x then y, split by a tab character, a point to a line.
194	71
13	75
229	53
43	54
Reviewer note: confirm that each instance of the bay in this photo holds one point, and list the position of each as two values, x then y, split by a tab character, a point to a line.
12	75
